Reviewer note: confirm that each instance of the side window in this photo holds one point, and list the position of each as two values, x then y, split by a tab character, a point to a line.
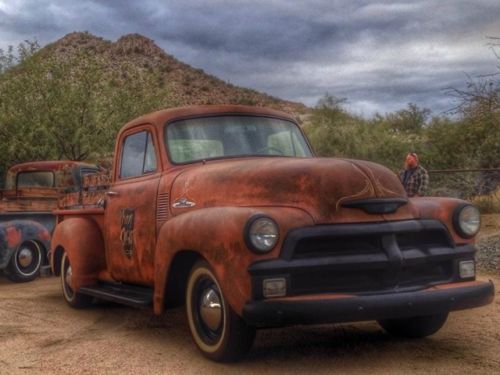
150	158
138	155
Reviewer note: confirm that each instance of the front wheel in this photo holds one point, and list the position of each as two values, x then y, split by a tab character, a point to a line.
24	265
73	298
217	330
416	327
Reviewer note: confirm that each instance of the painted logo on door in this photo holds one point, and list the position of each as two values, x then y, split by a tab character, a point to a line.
127	231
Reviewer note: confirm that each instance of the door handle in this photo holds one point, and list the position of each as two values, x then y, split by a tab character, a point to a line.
111	193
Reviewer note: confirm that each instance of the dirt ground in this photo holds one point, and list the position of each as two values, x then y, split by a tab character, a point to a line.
39	333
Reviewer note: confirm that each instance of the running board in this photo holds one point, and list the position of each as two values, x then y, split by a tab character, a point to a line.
130	295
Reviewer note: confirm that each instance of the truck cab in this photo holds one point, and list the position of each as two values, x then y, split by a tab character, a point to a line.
32	191
226	210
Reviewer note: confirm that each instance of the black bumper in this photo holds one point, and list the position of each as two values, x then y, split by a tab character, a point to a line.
331	308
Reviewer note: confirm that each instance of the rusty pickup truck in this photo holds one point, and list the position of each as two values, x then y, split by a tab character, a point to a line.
31	193
226	210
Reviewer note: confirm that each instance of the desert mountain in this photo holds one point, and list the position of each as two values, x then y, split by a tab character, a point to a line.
68	99
185	84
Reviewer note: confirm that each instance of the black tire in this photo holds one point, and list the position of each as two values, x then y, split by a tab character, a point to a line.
25	263
226	337
74	299
416	327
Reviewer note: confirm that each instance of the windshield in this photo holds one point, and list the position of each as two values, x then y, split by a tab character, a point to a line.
229	136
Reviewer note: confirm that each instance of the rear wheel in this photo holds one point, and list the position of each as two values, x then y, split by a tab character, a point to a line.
217	330
415	327
25	263
73	298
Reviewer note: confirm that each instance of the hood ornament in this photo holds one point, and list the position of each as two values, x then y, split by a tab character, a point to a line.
183	203
377	205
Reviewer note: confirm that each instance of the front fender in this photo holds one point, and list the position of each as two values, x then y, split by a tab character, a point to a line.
441	209
82	240
216	234
13	233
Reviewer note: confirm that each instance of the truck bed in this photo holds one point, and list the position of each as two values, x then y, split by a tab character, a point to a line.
91	195
29	200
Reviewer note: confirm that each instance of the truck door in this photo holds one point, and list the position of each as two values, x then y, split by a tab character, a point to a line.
130	208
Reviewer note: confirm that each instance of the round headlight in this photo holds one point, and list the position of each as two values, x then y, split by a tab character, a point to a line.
262	234
467	220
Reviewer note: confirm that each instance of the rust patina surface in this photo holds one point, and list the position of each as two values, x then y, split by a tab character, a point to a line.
148	230
26	207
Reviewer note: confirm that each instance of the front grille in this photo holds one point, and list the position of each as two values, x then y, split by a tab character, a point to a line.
337	245
364	258
338	281
369	280
427	273
424	239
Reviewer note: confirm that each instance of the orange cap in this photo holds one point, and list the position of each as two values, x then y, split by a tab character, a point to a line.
411	160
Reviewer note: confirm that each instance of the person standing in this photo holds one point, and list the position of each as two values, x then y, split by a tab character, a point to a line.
414	178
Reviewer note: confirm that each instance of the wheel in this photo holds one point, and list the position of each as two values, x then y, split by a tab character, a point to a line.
416	327
73	299
217	330
24	265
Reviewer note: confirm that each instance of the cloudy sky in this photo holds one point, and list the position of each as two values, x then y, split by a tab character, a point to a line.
379	55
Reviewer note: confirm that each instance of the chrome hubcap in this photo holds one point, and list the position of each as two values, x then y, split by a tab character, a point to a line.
25	257
67	278
211	309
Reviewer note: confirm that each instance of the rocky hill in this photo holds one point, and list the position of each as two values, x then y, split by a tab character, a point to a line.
185	85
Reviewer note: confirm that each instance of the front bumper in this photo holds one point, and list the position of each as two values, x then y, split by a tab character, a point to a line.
332	308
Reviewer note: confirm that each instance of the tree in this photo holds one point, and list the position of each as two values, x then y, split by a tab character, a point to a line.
68	106
412	119
478	105
335	132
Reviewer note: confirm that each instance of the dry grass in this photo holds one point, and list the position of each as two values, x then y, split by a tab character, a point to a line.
489	203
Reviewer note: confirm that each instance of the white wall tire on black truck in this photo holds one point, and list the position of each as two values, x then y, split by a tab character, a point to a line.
217	330
25	263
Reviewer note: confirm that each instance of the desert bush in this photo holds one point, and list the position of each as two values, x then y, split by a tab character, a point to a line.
335	132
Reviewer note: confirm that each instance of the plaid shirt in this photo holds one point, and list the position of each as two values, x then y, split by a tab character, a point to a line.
415	181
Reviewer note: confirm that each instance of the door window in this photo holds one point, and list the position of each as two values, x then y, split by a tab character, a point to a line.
150	157
138	155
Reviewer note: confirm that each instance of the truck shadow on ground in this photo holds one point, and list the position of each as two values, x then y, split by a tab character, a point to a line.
343	342
296	345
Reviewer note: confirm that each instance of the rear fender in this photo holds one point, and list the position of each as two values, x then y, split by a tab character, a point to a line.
82	240
13	233
217	235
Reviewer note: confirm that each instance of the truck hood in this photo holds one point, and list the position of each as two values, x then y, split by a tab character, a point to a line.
321	186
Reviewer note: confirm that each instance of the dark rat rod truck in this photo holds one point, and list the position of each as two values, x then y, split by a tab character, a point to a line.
226	209
31	193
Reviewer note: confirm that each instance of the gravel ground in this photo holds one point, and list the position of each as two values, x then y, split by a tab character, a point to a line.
40	334
488	256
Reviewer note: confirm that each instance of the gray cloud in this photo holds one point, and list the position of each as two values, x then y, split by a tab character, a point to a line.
380	55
